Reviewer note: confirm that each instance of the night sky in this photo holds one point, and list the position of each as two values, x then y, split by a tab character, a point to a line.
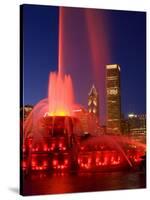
126	45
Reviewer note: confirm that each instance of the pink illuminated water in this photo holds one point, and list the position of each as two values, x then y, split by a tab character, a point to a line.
60	95
60	88
60	100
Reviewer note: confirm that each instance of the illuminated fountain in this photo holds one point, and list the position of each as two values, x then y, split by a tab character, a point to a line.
52	137
51	134
50	128
110	153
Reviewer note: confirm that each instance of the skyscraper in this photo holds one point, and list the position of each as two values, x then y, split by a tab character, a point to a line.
113	99
93	101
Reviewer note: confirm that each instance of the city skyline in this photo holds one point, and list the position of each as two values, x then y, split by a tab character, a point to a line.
82	70
41	52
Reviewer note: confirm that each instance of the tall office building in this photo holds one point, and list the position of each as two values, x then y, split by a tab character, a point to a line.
113	99
93	101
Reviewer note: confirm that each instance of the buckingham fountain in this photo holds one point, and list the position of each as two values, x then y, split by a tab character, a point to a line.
52	137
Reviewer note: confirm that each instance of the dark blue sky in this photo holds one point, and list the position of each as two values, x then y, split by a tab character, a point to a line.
127	42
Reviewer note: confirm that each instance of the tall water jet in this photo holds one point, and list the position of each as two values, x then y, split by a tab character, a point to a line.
84	49
60	89
60	41
60	100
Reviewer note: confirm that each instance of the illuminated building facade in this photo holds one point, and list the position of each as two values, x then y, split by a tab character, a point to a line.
124	125
137	124
93	102
82	115
113	99
88	121
25	111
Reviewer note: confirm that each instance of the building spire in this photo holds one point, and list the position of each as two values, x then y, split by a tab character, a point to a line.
93	101
93	90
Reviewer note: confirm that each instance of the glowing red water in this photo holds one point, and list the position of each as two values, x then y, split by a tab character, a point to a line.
97	152
60	41
60	89
60	95
98	35
84	49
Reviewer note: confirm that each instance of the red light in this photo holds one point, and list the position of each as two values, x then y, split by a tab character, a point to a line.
53	145
66	161
45	163
82	148
23	148
62	166
97	159
30	143
33	163
55	162
131	156
45	147
60	145
37	149
112	159
137	159
89	160
87	166
24	164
